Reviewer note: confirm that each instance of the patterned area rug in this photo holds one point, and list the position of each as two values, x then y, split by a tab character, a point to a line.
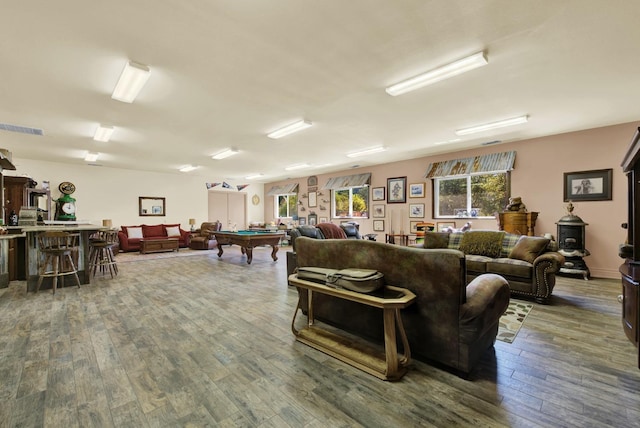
512	320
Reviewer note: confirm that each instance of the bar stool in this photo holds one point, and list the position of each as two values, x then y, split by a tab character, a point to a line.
58	248
101	254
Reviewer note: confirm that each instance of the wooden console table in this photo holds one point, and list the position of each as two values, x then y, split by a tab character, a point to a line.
517	222
387	365
158	245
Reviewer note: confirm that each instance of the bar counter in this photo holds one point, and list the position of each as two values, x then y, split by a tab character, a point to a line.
30	253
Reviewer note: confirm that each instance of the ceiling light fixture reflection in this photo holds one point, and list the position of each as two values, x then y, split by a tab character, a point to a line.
493	125
91	157
253	177
446	71
103	133
299	166
367	152
188	168
225	154
440	143
132	80
289	129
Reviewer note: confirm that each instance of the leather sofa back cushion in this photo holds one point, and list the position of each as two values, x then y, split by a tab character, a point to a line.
436	240
133	232
153	230
482	243
528	248
310	232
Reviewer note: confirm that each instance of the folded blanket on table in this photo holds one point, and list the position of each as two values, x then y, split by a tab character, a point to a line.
331	231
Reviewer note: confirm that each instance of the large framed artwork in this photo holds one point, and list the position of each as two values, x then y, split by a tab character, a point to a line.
592	185
151	206
397	190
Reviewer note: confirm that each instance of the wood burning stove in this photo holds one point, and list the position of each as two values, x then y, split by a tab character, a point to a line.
571	244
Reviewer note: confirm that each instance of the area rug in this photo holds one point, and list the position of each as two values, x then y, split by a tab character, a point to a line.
512	319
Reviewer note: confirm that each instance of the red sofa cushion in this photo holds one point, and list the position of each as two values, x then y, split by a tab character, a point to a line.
153	231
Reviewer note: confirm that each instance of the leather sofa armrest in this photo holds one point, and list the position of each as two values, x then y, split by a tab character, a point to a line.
555	259
487	292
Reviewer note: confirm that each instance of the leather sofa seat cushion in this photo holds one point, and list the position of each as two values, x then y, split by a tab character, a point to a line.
511	267
477	263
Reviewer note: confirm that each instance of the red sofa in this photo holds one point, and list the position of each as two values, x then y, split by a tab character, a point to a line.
130	236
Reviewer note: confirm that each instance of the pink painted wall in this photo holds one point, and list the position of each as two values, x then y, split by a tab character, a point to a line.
537	178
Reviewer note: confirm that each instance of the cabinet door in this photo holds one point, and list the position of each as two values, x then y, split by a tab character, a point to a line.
630	296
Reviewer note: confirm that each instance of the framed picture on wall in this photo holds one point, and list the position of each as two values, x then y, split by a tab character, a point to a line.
377	194
302	221
588	185
378	225
444	225
397	190
313	199
416	190
378	211
313	219
416	210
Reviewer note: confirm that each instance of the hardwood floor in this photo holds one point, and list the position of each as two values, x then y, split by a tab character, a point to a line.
202	341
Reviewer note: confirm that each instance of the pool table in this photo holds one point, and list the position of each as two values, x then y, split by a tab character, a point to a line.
247	240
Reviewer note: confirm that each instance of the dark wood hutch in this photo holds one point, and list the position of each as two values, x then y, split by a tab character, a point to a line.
630	251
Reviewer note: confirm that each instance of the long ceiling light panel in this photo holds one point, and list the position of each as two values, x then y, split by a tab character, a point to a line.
453	69
289	129
132	80
225	154
91	157
103	133
493	125
299	166
367	152
188	168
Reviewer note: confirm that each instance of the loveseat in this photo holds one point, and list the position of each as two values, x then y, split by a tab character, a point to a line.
528	263
450	323
130	236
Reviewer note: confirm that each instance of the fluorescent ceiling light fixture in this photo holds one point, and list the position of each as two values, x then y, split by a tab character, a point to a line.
131	81
91	157
289	129
299	166
455	140
103	133
367	152
493	125
252	177
225	154
453	69
188	168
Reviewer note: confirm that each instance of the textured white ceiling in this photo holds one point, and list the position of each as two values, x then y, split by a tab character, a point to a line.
225	73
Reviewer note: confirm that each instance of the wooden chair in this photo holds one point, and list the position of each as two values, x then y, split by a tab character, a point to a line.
101	253
58	249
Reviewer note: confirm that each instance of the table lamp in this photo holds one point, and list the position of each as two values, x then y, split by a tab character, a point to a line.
192	222
107	223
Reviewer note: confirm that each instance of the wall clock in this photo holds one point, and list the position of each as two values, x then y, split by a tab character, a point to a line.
255	200
312	181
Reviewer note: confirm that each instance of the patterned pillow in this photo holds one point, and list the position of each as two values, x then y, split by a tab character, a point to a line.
134	232
528	248
436	240
482	243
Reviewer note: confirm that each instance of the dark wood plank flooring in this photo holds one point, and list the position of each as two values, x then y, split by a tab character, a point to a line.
202	341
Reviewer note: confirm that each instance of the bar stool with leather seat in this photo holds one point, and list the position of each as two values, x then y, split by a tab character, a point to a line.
101	254
58	248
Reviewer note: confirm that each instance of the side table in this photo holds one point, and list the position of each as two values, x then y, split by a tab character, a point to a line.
387	365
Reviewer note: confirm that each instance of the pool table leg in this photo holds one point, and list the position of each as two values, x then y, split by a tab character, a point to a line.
273	253
220	249
249	252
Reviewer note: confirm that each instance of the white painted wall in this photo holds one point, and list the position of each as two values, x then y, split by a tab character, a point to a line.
103	192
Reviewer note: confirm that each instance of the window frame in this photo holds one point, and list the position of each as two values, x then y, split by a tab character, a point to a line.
276	205
436	193
351	192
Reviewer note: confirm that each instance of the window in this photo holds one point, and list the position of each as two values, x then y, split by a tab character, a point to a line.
477	195
287	205
351	202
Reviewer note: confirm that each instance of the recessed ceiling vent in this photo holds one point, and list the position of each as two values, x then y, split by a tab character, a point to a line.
20	129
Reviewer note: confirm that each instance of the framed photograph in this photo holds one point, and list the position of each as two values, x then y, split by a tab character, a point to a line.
413	226
397	190
416	190
323	220
378	211
302	221
588	185
378	225
313	219
445	224
416	210
377	194
313	199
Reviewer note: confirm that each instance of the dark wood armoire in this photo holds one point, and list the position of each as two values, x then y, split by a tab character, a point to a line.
630	250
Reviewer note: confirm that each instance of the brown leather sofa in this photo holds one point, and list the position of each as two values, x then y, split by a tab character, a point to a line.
202	239
451	323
